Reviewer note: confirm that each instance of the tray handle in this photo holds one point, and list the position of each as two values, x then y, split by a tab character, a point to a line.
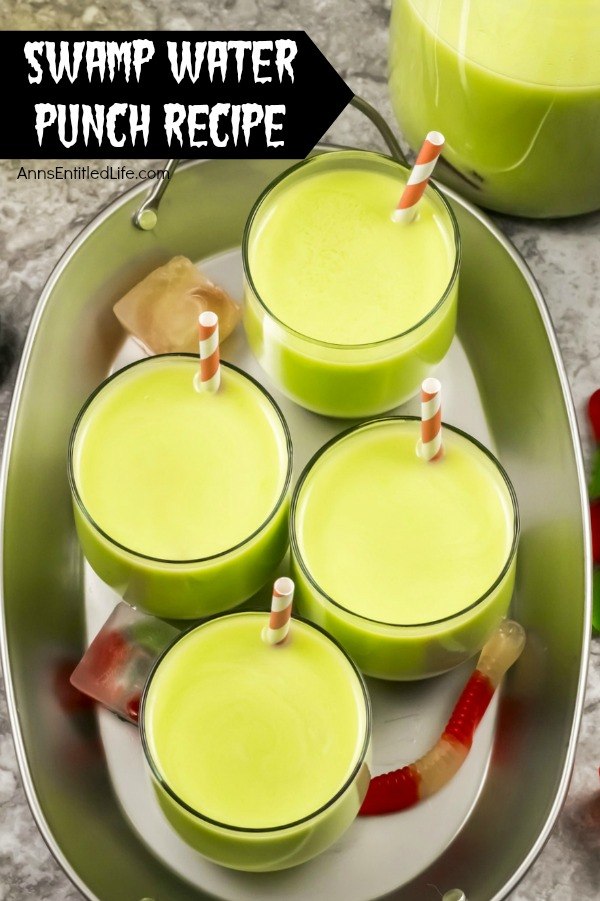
146	216
382	127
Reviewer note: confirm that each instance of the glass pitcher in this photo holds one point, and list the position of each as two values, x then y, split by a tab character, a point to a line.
514	85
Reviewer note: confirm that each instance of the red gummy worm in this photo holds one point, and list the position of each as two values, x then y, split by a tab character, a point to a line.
391	792
106	652
399	789
469	709
594	414
595	526
133	707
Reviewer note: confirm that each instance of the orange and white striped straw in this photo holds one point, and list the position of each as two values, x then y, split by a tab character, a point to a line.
430	446
208	378
419	177
281	611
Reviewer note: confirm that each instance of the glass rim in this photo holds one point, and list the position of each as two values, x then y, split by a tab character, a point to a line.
382	158
295	545
138	554
368	725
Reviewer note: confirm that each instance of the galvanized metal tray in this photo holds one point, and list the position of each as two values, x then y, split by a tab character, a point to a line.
506	385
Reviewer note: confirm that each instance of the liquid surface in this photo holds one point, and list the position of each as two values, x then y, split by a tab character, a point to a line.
398	540
251	735
329	262
551	42
174	473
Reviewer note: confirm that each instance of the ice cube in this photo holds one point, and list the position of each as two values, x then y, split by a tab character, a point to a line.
162	310
114	669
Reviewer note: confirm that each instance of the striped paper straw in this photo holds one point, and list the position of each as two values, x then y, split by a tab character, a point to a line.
281	611
209	376
430	446
419	177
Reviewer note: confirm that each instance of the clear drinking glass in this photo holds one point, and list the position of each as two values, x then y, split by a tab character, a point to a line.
226	659
354	474
160	583
347	380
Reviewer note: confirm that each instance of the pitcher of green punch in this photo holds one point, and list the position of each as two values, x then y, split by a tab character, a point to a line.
514	85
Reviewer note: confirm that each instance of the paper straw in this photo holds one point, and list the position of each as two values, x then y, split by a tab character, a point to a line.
419	177
281	611
209	376
430	446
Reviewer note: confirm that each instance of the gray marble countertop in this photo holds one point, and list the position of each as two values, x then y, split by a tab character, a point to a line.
38	219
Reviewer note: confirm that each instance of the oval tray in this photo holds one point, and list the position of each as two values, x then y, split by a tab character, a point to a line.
506	384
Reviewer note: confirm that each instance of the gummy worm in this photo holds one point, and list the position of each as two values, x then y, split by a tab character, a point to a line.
395	791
